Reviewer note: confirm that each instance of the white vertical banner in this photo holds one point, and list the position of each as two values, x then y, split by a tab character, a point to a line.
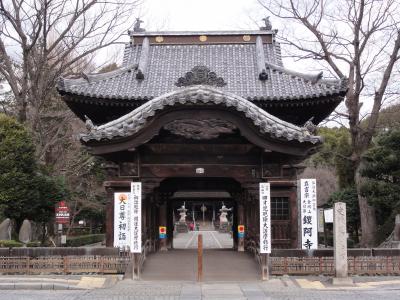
309	219
136	229
265	218
122	216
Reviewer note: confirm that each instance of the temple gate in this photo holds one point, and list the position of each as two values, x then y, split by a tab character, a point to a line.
212	113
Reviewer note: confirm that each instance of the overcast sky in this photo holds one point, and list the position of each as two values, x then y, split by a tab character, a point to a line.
199	15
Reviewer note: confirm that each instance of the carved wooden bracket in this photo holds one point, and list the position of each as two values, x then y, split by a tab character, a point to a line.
200	129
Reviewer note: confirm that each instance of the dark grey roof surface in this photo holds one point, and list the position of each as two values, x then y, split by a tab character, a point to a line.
235	63
136	120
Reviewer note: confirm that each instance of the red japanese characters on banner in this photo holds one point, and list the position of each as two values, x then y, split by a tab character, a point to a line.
62	213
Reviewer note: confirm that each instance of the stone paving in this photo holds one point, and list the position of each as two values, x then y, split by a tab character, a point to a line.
218	265
211	240
275	288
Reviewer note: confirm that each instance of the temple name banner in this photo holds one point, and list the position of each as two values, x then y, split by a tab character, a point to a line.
309	219
122	220
265	217
136	235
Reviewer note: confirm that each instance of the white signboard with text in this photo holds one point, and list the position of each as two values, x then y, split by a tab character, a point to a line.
265	218
136	234
122	219
308	208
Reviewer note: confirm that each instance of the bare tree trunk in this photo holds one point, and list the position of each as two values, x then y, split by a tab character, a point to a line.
367	215
368	222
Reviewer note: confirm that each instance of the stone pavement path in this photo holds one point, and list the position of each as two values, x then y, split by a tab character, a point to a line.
211	240
57	282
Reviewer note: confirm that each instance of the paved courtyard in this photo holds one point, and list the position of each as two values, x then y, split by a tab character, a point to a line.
211	240
218	265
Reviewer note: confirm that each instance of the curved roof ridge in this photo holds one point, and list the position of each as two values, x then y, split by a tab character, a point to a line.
200	94
313	78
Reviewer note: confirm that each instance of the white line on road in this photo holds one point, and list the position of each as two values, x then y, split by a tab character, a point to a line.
219	244
190	240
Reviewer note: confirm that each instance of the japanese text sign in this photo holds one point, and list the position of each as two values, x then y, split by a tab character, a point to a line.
62	213
308	208
122	220
136	235
265	218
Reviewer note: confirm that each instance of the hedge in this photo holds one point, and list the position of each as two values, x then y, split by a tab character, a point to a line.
77	241
16	244
10	244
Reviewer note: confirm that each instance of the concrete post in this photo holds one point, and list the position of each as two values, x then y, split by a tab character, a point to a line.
396	235
340	245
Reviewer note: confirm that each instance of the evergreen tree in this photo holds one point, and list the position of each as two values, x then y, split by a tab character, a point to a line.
382	186
24	191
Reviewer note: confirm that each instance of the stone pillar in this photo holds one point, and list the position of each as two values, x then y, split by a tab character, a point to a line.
396	235
340	245
163	222
240	217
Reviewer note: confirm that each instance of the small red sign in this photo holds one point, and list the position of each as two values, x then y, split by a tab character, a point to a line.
62	213
241	228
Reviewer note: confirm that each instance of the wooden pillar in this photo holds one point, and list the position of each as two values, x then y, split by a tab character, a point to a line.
240	216
110	217
294	215
163	222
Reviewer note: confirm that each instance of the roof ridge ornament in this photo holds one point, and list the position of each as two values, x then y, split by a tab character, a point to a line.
309	126
89	125
200	75
268	24
136	26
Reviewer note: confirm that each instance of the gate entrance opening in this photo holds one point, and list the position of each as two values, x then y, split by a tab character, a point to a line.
203	217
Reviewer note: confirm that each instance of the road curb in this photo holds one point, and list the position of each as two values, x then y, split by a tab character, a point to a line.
38	286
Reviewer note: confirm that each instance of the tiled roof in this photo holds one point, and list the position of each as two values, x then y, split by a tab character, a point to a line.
134	121
235	63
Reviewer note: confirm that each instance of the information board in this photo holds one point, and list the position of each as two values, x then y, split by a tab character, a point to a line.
309	220
265	218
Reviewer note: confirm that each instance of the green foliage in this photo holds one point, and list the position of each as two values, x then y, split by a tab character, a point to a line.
10	244
335	152
34	244
16	244
78	241
16	147
382	187
389	118
25	193
349	196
